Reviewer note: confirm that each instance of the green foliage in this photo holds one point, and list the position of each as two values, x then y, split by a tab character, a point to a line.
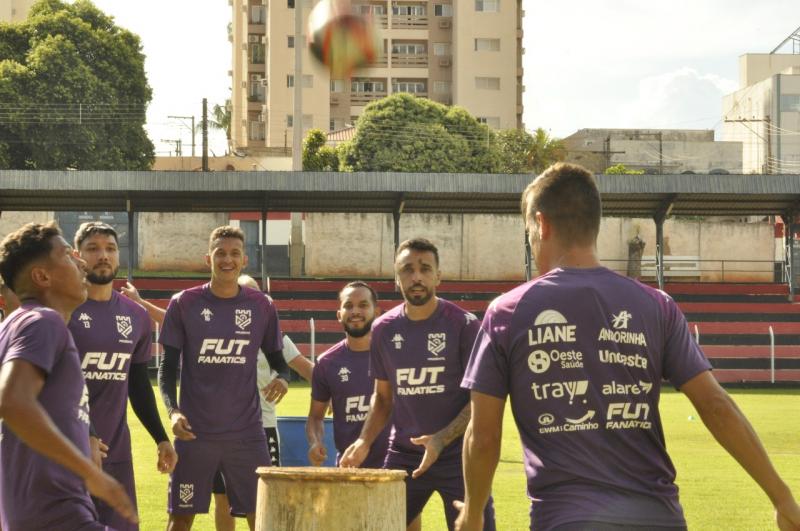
405	133
73	92
621	169
522	152
316	155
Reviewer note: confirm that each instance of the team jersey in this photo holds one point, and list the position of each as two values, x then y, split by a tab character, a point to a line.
582	353
219	341
110	336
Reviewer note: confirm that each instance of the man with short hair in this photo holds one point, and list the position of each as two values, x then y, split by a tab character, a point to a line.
216	331
418	354
113	335
582	352
44	403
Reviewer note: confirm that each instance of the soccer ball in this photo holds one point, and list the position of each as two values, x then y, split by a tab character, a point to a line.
340	39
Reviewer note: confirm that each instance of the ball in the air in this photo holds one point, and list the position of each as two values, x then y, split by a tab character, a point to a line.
340	39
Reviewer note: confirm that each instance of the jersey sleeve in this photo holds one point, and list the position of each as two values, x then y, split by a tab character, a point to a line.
290	350
469	333
488	367
320	390
273	338
377	369
172	331
39	341
682	358
143	350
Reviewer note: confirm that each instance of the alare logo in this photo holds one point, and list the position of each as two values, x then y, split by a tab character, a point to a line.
551	327
124	325
615	388
437	342
243	318
560	390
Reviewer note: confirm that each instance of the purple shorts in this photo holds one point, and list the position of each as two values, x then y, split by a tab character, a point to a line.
445	478
198	461
122	472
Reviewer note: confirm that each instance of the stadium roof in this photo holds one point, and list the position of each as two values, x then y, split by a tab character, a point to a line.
623	195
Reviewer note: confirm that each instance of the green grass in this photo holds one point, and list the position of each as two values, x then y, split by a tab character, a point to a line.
715	492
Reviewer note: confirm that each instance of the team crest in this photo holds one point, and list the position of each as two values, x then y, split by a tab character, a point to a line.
243	318
186	492
437	343
124	325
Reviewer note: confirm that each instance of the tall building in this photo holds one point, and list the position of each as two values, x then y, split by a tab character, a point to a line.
466	52
14	10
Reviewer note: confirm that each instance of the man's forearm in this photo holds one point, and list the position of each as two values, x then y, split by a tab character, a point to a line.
480	462
303	367
455	428
168	378
156	313
315	431
379	411
143	402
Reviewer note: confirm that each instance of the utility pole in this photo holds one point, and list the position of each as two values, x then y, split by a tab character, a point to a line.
297	120
177	142
193	129
205	134
660	153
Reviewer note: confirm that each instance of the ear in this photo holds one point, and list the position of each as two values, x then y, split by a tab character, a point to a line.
339	315
378	311
244	262
208	261
544	227
40	277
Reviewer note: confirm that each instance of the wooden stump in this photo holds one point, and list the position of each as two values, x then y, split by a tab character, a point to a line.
336	499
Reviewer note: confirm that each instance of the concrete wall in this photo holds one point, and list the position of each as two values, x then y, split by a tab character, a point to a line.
175	241
11	221
756	67
249	163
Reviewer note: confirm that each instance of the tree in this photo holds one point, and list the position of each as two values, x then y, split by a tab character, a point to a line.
621	169
220	120
405	133
316	155
546	151
73	92
522	152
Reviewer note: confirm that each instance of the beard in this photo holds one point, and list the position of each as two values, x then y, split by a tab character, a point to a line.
358	332
417	300
97	278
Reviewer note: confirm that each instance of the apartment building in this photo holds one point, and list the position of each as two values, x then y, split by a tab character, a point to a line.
14	10
465	52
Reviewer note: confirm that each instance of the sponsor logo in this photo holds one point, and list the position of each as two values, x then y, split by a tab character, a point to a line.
628	415
615	388
437	342
124	325
398	341
619	336
583	423
551	327
186	492
243	318
207	314
539	361
223	351
105	366
419	381
560	390
356	408
86	320
545	419
83	406
344	374
620	321
629	360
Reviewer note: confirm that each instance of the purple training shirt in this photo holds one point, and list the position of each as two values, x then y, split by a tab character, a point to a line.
110	336
342	376
37	493
424	361
219	341
582	354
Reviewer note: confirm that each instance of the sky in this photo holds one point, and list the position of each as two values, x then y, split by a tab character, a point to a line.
587	63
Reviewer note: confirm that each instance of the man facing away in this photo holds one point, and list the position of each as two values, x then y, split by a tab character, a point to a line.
418	353
582	352
113	335
44	403
216	330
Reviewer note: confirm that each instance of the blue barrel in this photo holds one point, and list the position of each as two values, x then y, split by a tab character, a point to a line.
294	446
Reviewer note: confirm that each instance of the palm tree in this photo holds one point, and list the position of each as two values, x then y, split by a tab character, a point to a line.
545	151
220	119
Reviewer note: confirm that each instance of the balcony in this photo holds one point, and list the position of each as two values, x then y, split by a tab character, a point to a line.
362	98
409	60
256	28
409	22
381	21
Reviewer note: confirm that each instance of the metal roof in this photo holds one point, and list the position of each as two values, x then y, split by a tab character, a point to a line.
623	195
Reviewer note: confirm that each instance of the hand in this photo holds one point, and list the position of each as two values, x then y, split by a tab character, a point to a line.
433	447
317	454
99	450
131	292
464	522
167	457
108	489
787	516
355	454
181	427
275	390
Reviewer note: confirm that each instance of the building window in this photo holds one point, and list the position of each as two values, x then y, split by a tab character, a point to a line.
337	85
367	86
256	130
443	10
491	121
409	48
441	48
290	41
441	87
412	87
367	9
331	125
790	102
487	45
256	54
308	81
487	6
411	11
487	83
289	80
258	15
289	120
290	4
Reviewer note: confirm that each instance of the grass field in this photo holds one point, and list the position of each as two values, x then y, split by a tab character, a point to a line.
715	492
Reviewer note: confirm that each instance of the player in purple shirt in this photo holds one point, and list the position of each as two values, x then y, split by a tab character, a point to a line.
582	352
341	375
44	403
216	330
418	354
114	335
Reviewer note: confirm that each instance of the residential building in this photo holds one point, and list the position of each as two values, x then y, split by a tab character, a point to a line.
764	114
15	10
656	151
466	53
